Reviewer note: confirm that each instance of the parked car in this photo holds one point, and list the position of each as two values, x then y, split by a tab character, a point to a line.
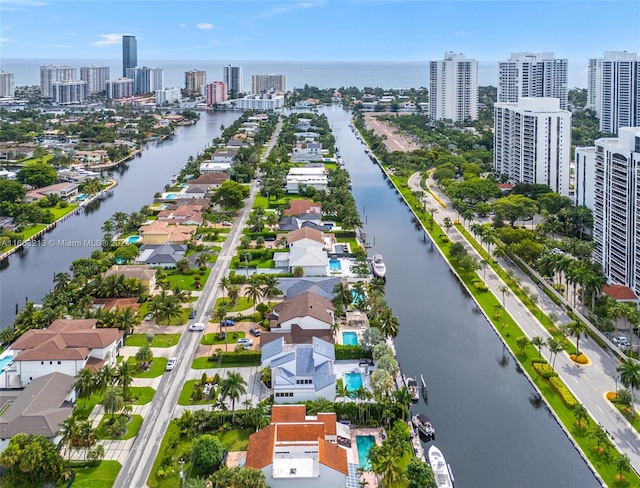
254	332
245	341
269	239
227	223
197	326
228	323
171	364
621	341
148	316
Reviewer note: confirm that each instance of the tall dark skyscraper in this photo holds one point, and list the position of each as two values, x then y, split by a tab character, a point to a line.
129	53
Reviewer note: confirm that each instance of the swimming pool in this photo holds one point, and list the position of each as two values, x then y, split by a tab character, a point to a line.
353	381
133	239
171	196
349	338
334	265
357	297
5	360
364	443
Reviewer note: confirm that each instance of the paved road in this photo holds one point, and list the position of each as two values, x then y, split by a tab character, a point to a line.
588	383
137	467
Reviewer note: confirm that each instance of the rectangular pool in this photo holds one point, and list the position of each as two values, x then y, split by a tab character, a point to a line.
364	443
334	265
353	381
349	338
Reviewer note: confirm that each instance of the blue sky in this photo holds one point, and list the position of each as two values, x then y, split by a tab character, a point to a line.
316	30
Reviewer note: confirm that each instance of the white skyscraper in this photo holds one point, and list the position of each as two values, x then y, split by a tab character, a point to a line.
50	74
532	75
614	90
616	221
120	88
532	142
6	84
232	76
68	92
453	88
267	83
146	80
96	78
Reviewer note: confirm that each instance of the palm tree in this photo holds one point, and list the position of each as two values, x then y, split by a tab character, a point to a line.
232	387
538	342
389	470
234	294
270	288
223	286
630	377
504	290
113	400
61	281
447	224
144	356
253	291
554	348
85	384
124	378
219	314
389	325
69	431
342	296
87	436
403	398
576	328
320	405
104	377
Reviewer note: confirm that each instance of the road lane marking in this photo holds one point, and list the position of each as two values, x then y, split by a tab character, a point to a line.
600	408
576	380
595	388
634	449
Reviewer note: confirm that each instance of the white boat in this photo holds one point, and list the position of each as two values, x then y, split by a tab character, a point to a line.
441	470
412	386
379	268
423	424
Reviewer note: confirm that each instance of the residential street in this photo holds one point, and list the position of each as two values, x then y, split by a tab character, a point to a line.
137	468
588	383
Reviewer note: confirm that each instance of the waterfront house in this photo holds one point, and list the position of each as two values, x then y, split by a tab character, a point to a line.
300	372
310	151
161	232
66	346
291	287
308	310
300	450
311	220
161	255
305	237
224	156
314	177
65	191
214	180
182	214
145	274
39	409
303	206
210	167
312	259
197	191
297	335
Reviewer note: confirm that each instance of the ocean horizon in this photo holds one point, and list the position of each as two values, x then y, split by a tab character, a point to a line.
323	74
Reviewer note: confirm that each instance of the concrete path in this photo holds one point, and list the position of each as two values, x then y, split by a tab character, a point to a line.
589	383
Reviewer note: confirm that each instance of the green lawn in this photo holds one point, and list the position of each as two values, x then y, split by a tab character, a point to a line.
159	340
186	282
132	428
187	391
102	476
172	478
58	212
204	363
236	440
243	303
210	339
84	406
157	368
142	394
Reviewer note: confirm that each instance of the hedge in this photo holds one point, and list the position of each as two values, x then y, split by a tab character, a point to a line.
480	286
240	357
544	370
564	392
352	352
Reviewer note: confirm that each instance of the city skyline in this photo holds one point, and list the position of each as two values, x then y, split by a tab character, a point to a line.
320	30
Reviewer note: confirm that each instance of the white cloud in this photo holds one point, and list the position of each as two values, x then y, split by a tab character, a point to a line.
461	33
287	8
4	39
182	26
205	26
60	46
13	5
108	40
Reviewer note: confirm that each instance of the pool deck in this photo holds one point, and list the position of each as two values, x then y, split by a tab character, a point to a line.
352	454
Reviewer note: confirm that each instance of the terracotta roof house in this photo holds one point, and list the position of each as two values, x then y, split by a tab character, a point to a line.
116	303
620	293
182	214
303	206
308	310
64	190
162	232
39	409
145	274
297	335
66	346
213	179
300	372
300	450
306	237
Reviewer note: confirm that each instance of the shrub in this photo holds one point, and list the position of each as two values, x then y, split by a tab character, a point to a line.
351	352
582	359
543	369
564	392
241	357
480	286
612	396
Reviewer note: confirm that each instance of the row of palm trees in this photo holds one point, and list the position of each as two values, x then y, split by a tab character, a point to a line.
116	379
258	286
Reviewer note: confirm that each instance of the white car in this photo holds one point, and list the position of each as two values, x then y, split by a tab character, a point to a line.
621	341
171	364
245	341
198	326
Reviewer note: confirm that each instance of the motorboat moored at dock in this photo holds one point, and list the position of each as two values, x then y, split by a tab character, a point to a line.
423	424
441	470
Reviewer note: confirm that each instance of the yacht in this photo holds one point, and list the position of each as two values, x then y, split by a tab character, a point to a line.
441	470
379	268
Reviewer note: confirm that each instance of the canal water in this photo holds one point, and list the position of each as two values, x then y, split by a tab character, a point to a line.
490	425
29	275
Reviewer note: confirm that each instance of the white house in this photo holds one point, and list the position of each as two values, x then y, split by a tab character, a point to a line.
39	409
66	346
312	151
305	237
308	310
315	177
213	167
224	156
312	259
299	450
300	372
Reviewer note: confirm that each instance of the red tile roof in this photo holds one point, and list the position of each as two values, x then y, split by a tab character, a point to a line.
302	206
329	420
333	456
260	448
290	432
619	292
288	413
